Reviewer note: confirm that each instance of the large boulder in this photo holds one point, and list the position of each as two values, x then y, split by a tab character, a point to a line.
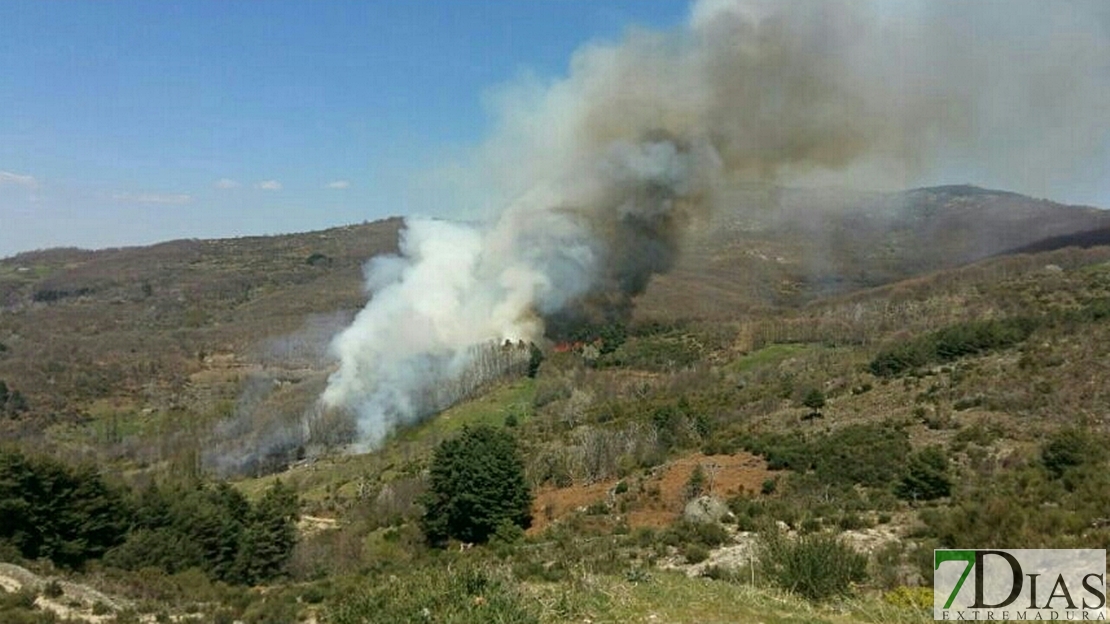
706	509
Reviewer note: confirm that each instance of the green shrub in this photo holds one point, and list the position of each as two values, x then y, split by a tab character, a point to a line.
53	589
477	482
872	455
814	400
696	484
52	510
1067	449
817	566
707	534
926	476
465	595
695	553
214	529
952	342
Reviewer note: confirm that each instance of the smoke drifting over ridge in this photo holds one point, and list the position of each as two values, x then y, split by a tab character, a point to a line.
600	173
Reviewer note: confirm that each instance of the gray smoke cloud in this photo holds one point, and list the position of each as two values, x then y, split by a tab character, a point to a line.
589	181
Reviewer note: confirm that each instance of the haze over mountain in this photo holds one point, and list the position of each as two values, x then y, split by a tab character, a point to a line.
181	322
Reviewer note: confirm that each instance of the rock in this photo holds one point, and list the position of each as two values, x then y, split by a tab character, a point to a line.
706	509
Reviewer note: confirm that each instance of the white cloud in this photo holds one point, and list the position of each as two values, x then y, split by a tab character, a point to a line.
227	183
16	179
268	185
338	184
154	198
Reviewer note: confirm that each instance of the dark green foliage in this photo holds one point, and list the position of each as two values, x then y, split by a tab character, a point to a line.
612	336
1029	506
460	596
68	515
814	400
695	553
1067	449
477	483
269	536
873	455
953	342
318	259
926	476
212	528
817	566
607	336
50	295
697	484
705	534
782	451
660	353
163	548
667	420
535	358
53	589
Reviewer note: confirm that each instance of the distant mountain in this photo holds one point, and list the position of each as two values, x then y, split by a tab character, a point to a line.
182	324
787	246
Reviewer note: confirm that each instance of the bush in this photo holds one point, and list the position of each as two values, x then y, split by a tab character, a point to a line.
910	597
953	342
695	553
814	400
1067	449
872	455
68	515
817	566
477	483
212	528
462	596
706	534
926	476
53	589
696	484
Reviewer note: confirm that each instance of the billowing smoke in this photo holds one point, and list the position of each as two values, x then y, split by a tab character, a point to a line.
592	179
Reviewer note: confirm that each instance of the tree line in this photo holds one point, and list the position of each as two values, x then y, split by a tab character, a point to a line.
71	515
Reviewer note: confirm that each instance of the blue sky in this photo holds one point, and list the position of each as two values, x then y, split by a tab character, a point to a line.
133	122
129	122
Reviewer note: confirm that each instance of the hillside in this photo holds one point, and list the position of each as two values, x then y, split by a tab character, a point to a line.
787	246
152	327
961	391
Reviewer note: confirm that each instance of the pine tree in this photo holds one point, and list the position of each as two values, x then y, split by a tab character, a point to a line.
477	483
268	540
926	476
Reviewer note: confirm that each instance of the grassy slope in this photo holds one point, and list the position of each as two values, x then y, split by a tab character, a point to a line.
674	598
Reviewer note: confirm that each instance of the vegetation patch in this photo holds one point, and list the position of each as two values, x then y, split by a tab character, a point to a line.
951	343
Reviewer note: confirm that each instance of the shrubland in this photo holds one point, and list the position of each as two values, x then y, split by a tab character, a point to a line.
961	408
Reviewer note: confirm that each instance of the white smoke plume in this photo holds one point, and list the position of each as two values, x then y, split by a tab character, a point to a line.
594	177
